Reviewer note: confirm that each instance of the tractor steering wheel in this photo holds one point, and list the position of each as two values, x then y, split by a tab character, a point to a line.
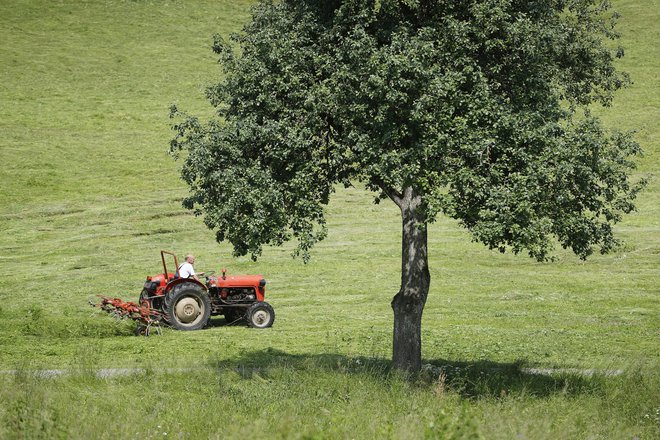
206	274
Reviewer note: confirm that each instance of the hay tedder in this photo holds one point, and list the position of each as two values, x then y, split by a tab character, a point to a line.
188	304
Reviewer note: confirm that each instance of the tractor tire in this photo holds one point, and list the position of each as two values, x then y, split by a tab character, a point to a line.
187	307
143	297
156	302
260	315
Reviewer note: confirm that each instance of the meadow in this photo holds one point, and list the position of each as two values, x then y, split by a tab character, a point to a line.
89	196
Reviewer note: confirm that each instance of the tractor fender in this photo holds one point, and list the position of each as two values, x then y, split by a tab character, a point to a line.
179	281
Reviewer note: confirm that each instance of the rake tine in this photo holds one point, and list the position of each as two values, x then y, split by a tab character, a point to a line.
145	317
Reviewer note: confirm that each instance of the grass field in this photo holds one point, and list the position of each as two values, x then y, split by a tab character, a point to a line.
89	196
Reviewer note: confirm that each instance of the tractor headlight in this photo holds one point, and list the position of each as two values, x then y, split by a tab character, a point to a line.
262	283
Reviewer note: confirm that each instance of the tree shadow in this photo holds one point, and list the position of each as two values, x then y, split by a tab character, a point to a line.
469	379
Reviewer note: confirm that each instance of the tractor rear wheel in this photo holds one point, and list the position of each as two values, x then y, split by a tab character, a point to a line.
188	307
144	295
151	300
260	315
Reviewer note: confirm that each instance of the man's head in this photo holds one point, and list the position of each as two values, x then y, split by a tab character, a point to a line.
190	258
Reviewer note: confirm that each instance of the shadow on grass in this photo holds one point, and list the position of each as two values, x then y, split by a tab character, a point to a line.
474	380
222	322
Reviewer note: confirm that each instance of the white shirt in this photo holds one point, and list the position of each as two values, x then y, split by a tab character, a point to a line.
186	270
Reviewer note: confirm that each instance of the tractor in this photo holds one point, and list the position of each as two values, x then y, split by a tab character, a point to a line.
188	304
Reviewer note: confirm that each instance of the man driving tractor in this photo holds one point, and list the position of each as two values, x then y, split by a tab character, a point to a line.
183	302
186	269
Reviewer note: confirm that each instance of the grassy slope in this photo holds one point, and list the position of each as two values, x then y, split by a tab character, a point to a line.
89	196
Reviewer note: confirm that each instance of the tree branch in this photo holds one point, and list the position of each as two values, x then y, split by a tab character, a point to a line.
393	194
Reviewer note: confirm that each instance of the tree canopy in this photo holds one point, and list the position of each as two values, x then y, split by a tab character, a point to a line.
474	103
478	110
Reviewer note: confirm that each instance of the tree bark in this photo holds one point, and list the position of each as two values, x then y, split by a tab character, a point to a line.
408	303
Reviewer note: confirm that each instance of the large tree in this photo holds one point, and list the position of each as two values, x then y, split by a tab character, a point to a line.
474	109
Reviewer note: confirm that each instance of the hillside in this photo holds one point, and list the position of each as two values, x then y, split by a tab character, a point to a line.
89	196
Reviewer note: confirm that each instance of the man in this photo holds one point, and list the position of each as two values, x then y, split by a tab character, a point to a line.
186	269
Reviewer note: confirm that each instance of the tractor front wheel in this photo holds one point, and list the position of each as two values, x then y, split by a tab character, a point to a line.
260	315
188	307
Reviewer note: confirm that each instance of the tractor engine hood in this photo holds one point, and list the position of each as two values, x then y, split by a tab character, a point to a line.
238	281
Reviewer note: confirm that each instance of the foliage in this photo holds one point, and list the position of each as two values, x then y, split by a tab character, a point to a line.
481	107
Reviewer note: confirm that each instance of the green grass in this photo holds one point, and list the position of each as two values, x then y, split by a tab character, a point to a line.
329	397
89	196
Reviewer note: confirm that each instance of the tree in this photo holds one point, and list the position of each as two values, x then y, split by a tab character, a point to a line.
475	109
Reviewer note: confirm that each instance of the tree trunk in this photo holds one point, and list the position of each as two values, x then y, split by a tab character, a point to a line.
408	304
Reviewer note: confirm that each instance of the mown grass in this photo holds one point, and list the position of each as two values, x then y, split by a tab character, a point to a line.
89	196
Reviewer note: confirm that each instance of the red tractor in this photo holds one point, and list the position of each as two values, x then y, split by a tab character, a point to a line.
187	304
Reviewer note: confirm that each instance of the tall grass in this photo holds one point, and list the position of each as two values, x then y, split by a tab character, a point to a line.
89	196
328	397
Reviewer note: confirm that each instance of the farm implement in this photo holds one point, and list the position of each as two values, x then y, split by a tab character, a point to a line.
188	304
146	317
